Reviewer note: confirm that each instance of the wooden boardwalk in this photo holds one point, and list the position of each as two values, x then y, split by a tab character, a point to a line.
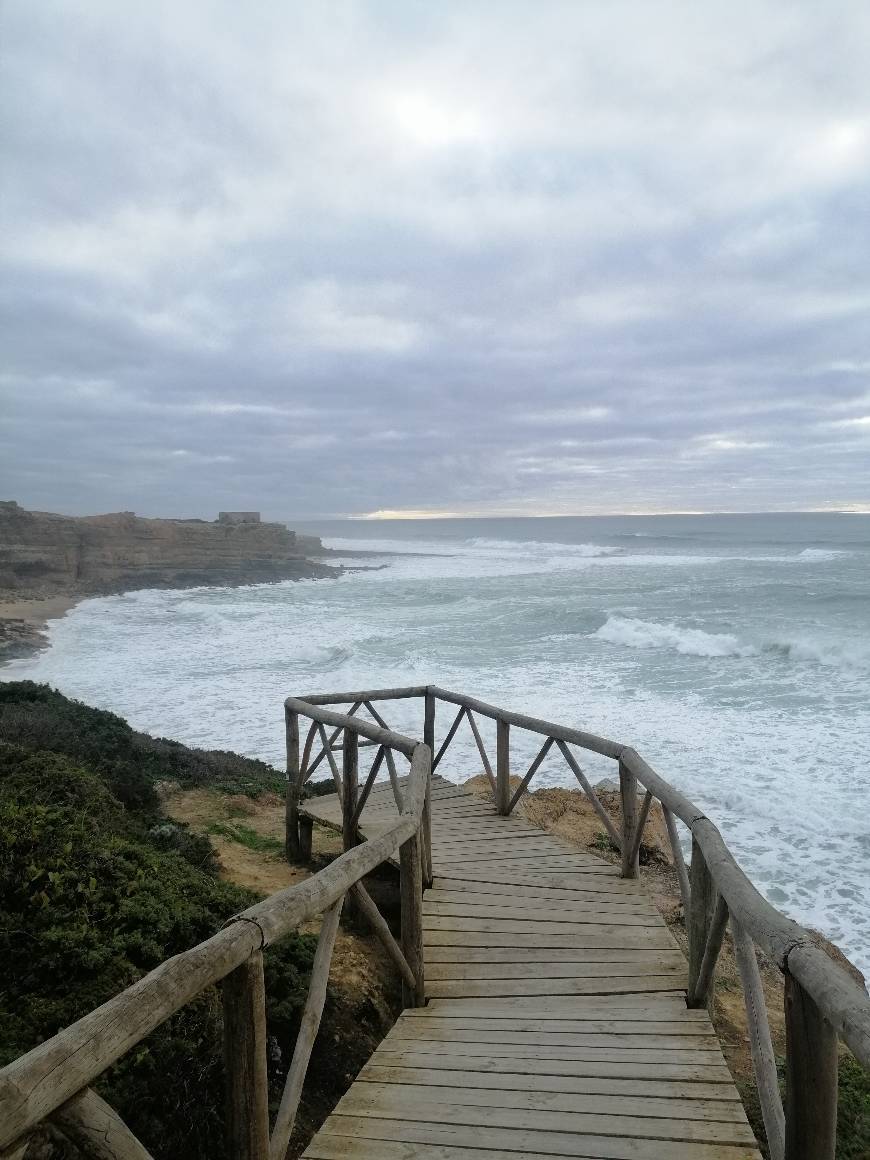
556	1023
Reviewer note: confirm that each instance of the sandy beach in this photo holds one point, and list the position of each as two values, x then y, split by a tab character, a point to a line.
23	623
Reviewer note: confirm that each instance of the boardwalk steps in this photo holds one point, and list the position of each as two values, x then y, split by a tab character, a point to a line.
548	1010
557	1022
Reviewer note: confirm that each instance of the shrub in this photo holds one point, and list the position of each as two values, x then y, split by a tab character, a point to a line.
97	889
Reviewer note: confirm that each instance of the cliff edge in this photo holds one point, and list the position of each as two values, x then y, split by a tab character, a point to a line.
44	556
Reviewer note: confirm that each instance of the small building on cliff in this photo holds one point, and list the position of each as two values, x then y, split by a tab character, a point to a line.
238	517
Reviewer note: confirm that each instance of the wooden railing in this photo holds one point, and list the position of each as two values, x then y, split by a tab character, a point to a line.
822	1002
52	1082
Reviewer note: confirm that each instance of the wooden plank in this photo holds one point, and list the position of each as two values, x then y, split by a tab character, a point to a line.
334	1146
435	1029
554	956
674	967
655	1011
648	1004
597	936
542	1052
503	829
612	985
424	1092
571	915
530	872
527	886
603	903
591	1025
510	926
513	851
512	1140
616	1068
448	889
397	1102
719	1095
621	1032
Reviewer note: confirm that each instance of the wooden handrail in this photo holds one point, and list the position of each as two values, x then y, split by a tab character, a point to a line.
822	1000
840	999
36	1084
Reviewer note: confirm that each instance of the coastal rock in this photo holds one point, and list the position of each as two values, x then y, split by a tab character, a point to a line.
42	553
19	638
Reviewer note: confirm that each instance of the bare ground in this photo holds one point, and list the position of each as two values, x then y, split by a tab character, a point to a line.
364	993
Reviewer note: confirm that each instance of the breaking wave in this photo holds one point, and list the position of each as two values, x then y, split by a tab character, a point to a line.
587	551
631	632
634	633
819	555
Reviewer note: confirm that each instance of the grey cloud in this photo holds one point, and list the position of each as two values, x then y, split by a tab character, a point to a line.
460	257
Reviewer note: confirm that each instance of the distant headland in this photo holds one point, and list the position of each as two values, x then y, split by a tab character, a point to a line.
48	562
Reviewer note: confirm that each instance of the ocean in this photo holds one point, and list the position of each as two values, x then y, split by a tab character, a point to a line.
732	651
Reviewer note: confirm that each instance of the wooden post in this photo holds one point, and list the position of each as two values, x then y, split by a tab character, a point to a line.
291	839
702	895
428	739
379	925
700	995
760	1043
679	861
411	884
247	1100
502	767
811	1078
308	1027
628	792
350	787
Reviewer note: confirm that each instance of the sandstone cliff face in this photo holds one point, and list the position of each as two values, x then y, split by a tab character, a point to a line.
43	554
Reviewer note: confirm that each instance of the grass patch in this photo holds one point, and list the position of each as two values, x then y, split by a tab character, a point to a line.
245	836
853	1110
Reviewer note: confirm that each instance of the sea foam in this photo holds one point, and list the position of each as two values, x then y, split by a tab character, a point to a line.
634	633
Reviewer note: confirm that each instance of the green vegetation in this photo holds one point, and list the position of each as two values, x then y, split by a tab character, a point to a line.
245	836
97	888
38	717
853	1111
853	1108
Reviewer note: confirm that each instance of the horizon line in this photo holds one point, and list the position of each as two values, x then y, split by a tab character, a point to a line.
387	515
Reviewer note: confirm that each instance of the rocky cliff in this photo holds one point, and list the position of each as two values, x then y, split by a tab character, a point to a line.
43	554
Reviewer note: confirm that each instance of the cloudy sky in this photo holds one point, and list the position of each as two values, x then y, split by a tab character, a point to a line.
326	258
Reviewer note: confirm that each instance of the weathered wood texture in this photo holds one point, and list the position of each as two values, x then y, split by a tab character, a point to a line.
760	1043
308	1028
411	882
810	1080
291	724
628	793
553	961
701	902
247	1088
503	766
97	1129
556	1024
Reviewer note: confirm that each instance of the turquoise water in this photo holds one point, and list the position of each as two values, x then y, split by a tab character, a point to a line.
732	651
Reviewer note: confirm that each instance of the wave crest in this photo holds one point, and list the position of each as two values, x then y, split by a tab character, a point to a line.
631	632
634	633
819	555
587	551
